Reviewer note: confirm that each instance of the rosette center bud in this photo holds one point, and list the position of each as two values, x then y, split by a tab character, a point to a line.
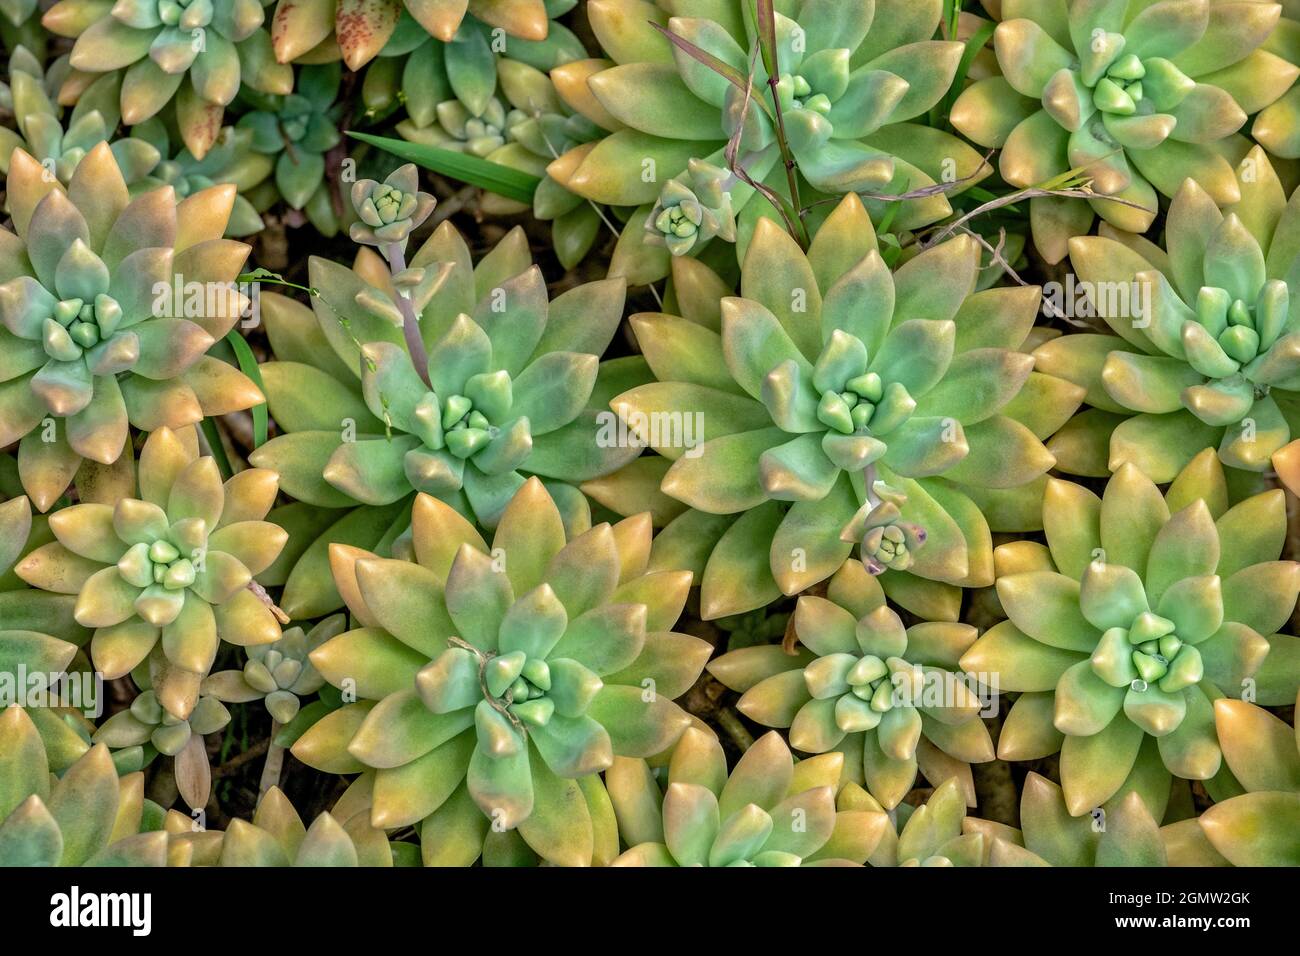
390	210
521	684
75	326
795	92
1147	655
693	208
490	130
1239	342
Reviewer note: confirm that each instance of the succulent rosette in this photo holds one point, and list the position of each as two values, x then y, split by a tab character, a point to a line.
514	388
277	836
502	107
1135	97
1125	833
827	375
145	721
769	811
230	160
420	72
279	674
888	698
103	326
165	577
298	129
391	210
931	834
92	121
482	131
358	32
693	208
1257	825
1213	358
494	685
88	816
1141	611
853	75
196	53
469	93
145	729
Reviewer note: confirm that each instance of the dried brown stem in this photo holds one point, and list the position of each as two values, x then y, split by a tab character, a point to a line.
265	598
1010	199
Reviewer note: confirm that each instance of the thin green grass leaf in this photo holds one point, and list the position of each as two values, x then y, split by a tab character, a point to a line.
494	177
213	437
248	365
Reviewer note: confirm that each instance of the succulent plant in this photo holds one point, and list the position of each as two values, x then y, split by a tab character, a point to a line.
769	811
1208	351
1124	834
390	211
927	442
42	665
276	836
494	685
23	60
864	685
693	208
165	577
146	729
280	674
502	107
1135	97
17	11
197	52
1140	612
360	32
1277	125
1257	826
102	323
145	721
230	160
422	72
86	817
853	74
38	630
512	387
929	834
459	94
93	120
298	129
806	398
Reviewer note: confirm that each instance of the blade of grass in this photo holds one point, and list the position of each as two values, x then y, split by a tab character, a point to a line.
494	177
218	449
248	365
